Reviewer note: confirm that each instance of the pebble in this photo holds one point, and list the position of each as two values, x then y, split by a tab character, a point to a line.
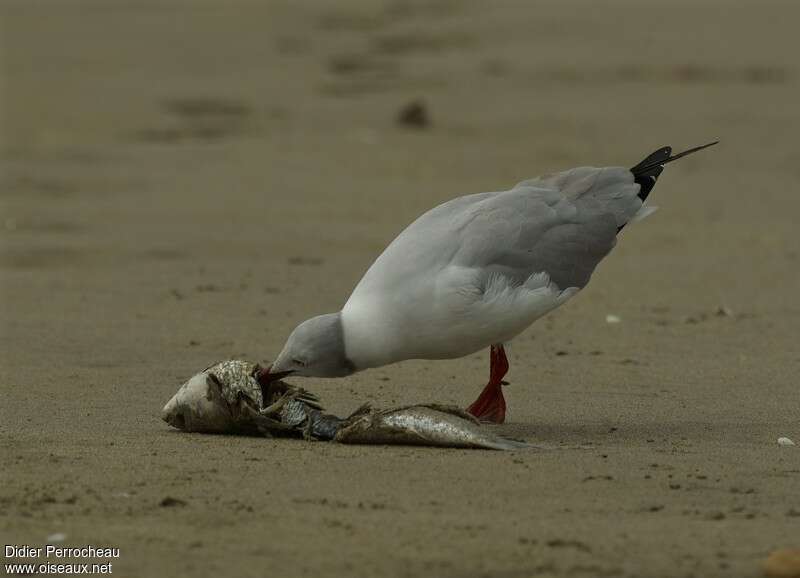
57	537
723	311
613	318
415	115
785	442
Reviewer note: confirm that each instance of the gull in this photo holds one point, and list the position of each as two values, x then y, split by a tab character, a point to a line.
475	272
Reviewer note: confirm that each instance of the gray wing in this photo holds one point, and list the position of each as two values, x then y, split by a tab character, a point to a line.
562	224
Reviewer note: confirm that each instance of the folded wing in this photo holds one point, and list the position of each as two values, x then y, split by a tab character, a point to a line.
562	225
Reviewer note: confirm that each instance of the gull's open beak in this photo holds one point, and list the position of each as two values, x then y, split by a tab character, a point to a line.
265	376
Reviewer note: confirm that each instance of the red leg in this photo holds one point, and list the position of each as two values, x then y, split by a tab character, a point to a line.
491	405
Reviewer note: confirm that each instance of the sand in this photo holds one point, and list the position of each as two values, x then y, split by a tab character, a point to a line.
184	182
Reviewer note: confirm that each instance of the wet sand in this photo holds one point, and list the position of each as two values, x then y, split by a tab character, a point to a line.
184	182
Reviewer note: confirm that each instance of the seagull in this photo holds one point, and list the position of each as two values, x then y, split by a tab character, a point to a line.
475	272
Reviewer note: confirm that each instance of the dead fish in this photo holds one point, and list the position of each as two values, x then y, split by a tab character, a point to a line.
229	397
427	425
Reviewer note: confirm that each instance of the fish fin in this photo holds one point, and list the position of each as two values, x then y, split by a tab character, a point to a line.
269	426
263	424
309	399
452	410
363	409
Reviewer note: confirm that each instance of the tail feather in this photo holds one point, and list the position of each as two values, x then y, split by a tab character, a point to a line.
646	172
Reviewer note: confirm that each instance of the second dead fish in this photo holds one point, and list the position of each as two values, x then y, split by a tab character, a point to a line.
427	425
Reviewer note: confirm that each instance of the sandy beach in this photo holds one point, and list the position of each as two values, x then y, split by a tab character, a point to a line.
184	182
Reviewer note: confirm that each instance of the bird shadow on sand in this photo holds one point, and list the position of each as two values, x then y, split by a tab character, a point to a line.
606	433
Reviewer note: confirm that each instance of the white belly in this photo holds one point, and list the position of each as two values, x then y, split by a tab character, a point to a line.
449	316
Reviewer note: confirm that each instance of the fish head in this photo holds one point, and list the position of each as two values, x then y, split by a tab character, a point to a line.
199	405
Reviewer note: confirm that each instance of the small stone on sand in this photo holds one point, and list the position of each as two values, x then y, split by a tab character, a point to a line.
785	442
414	115
723	311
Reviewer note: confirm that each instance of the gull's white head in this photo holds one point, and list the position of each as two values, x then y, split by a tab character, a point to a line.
314	349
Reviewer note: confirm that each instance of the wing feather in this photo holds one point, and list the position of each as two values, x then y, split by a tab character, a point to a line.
562	224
